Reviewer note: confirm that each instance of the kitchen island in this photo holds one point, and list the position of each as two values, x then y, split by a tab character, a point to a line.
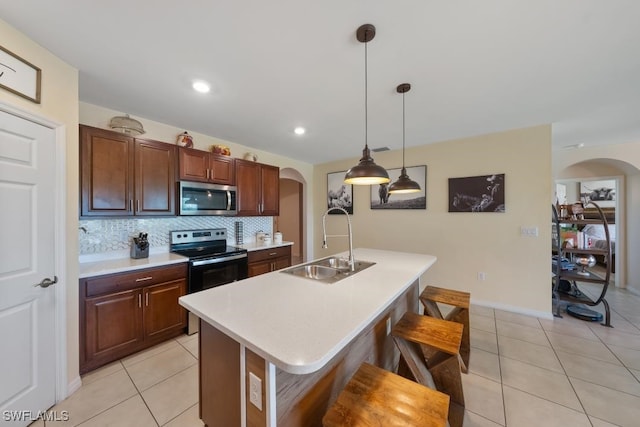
298	340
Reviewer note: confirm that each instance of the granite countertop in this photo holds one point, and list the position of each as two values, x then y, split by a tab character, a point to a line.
300	324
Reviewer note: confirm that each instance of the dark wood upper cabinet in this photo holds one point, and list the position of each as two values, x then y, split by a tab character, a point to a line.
106	173
155	178
258	189
124	176
202	166
270	180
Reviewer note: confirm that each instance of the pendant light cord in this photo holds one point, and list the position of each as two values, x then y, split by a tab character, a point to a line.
403	130
366	99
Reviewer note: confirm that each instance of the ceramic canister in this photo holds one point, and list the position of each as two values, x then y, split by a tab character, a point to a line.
277	237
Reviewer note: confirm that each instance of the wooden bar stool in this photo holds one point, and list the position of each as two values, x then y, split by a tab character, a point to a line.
416	336
460	313
375	397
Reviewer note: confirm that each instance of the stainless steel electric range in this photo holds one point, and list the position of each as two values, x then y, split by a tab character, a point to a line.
211	261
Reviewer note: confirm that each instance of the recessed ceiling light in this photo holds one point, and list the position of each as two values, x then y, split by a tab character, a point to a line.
299	130
200	86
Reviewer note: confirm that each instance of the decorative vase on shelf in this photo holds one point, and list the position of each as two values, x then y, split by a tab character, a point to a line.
584	262
185	140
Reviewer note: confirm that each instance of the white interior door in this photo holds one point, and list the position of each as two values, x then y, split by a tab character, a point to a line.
27	239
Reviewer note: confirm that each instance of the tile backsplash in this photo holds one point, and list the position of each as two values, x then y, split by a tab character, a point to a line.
109	235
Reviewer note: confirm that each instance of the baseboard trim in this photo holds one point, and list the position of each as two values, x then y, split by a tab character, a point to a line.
633	290
513	309
73	386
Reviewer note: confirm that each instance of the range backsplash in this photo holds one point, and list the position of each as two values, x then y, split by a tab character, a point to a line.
108	235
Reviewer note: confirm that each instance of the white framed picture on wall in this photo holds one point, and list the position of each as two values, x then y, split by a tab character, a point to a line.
602	192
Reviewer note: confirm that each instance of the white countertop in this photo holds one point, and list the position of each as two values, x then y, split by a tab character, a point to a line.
119	265
253	246
301	324
119	261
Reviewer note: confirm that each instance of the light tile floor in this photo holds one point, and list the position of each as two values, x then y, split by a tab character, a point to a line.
524	371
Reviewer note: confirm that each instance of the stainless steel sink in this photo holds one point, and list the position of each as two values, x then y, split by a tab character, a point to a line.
333	262
327	270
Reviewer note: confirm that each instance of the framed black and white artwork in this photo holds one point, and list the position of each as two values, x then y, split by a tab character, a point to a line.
602	192
339	194
483	193
381	199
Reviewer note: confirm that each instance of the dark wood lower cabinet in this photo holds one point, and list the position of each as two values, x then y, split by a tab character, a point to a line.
268	260
123	313
161	311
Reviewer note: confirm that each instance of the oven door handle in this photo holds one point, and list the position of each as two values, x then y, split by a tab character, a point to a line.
217	260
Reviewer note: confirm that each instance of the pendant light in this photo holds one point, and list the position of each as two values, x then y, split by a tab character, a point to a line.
366	172
403	184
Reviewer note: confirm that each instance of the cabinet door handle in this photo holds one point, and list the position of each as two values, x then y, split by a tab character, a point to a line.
273	253
144	279
138	205
146	299
139	300
208	173
131	205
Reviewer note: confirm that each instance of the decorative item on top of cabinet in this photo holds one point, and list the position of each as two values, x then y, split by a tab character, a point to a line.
258	189
268	260
185	140
202	166
123	313
221	149
125	176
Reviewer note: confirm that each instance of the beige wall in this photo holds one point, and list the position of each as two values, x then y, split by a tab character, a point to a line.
59	104
516	267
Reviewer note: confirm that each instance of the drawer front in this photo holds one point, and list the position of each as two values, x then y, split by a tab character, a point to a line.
282	251
137	279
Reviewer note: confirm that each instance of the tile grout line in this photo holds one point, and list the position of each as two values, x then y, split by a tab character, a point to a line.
504	404
140	394
159	382
113	406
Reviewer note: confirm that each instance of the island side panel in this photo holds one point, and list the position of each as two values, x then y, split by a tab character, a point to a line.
256	365
302	400
220	396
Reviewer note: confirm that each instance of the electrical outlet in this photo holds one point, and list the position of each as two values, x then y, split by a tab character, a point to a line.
255	391
388	325
482	275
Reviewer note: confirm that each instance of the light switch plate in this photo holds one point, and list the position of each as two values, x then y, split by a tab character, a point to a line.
255	390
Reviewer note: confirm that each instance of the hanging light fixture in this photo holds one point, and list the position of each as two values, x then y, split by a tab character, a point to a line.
403	184
126	124
366	172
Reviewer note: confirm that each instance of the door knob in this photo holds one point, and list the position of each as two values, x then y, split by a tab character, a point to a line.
46	282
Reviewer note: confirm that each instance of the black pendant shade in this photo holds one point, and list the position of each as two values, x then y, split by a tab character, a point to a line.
366	172
403	184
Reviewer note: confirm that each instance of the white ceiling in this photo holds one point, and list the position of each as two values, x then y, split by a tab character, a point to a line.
475	67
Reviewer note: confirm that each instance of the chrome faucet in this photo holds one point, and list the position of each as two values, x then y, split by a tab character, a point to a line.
352	263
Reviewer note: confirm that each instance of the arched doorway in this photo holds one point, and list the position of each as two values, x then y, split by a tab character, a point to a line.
291	221
627	207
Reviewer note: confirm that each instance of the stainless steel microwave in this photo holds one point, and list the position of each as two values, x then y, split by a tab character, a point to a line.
198	198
